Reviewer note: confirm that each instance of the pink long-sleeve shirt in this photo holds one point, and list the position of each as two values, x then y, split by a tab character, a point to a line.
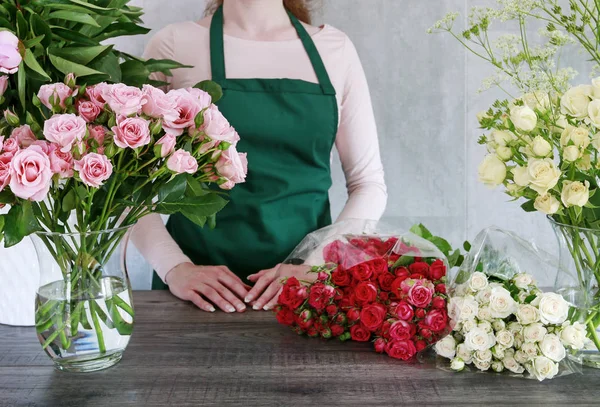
356	139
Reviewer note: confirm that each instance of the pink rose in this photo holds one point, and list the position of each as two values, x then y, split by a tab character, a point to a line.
187	107
97	133
61	163
132	132
232	166
217	127
10	58
167	144
30	176
203	97
11	146
64	130
420	294
88	110
57	92
3	84
94	169
123	100
96	94
1	142
404	311
45	146
5	160
181	161
24	136
158	104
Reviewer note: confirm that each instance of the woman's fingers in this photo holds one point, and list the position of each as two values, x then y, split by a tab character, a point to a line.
267	296
230	297
195	298
216	298
235	285
254	277
262	283
273	302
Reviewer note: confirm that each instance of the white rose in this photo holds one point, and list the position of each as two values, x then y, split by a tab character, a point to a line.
483	296
543	175
468	326
576	100
511	364
483	355
515	327
457	364
573	335
499	351
540	147
596	87
523	280
446	347
596	141
486	326
478	281
523	117
594	112
571	153
530	350
499	325
478	339
501	303
561	124
505	338
527	314
537	100
503	137
464	353
467	309
585	163
497	366
579	136
504	153
514	190
521	176
575	193
521	357
552	348
543	368
547	204
509	353
534	332
484	314
482	365
518	340
492	171
482	116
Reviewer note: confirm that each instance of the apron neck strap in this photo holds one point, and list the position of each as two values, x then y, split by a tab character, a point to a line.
217	54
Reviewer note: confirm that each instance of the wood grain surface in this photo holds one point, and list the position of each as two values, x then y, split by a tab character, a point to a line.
179	356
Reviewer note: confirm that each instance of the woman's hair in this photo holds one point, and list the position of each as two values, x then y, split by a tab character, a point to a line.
299	8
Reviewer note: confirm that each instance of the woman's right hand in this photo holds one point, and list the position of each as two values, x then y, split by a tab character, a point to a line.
201	284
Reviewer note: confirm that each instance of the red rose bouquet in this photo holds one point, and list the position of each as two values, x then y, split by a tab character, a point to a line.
385	288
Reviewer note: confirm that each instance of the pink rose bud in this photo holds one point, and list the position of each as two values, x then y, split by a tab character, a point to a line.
11	118
24	136
61	163
70	80
3	84
232	166
165	146
31	175
54	95
96	94
65	130
123	100
94	169
97	133
203	97
158	104
88	111
132	132
217	127
187	107
181	161
305	315
322	276
45	146
379	345
10	58
11	146
5	160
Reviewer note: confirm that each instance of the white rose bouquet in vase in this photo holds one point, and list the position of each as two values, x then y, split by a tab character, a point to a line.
543	142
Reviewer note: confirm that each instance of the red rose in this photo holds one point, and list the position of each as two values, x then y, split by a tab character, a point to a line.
379	345
396	290
379	266
420	295
439	303
404	311
353	315
420	345
361	272
365	292
392	259
384	296
420	313
312	331
293	293
437	270
419	268
441	288
340	318
326	333
359	333
401	330
337	330
425	333
385	281
436	320
338	295
304	324
417	276
403	350
332	253
320	295
372	316
286	316
341	277
402	272
331	309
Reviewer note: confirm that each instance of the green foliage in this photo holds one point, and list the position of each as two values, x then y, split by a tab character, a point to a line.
455	258
19	222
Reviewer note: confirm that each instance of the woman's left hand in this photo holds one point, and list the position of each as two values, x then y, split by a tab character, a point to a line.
268	285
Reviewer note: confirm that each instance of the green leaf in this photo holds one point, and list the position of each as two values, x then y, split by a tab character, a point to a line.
467	246
74	16
453	258
4	23
6	197
21	84
198	206
528	206
121	29
173	190
403	261
530	298
195	187
134	73
69	201
34	41
34	65
212	221
163	65
71	67
19	223
109	65
198	220
21	25
39	27
212	88
73	36
421	231
80	55
1	225
441	244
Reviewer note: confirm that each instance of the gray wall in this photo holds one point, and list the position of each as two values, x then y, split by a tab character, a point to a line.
425	97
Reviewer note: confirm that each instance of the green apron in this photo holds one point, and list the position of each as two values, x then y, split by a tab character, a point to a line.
288	128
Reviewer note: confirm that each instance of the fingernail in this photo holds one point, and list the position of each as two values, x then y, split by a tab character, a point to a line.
266	308
212	309
229	308
248	299
241	308
255	307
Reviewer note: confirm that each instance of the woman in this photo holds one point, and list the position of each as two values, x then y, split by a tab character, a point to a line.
288	128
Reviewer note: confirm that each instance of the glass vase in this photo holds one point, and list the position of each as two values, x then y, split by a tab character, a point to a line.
577	281
83	310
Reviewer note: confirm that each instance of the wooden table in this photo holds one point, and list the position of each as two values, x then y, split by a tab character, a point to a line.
184	357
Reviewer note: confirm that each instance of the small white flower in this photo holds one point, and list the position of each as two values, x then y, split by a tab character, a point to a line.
543	368
504	153
573	335
534	332
457	364
498	325
515	327
511	364
552	348
482	365
478	281
547	204
479	339
523	280
497	366
530	349
483	296
576	100
501	303
483	355
464	353
521	357
468	326
540	147
484	314
486	326
499	352
505	338
492	171
502	138
523	117
519	340
463	308
575	193
554	309
527	314
446	347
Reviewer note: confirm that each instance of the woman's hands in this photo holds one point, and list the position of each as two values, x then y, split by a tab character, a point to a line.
268	285
201	284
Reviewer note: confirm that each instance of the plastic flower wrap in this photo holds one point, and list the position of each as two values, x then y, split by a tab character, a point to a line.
367	282
502	319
